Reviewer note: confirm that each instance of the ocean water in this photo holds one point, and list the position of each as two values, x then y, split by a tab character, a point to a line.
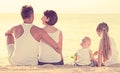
73	26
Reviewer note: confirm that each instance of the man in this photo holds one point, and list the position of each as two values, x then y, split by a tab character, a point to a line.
27	37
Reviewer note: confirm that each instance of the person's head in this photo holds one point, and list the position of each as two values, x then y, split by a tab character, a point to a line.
101	28
102	31
50	17
27	13
86	41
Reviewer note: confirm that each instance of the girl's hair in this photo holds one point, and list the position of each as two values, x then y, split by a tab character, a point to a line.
105	42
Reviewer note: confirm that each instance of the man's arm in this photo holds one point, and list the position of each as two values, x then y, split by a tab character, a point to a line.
9	31
10	39
10	42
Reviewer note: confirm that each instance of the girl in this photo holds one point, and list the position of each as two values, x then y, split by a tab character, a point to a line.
107	53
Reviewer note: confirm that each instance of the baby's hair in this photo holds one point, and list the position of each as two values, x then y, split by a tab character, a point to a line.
85	39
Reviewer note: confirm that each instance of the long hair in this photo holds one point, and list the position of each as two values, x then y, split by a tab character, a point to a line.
105	41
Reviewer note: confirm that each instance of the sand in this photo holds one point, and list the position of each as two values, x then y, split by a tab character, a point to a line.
59	69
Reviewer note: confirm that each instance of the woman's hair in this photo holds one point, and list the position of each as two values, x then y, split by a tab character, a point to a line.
26	11
52	16
105	41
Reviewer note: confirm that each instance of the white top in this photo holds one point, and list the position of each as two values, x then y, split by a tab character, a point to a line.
26	48
83	56
114	57
47	53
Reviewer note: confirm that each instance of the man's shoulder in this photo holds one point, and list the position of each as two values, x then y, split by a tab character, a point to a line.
17	26
36	27
37	32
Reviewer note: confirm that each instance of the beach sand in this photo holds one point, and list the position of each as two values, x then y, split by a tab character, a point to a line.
59	69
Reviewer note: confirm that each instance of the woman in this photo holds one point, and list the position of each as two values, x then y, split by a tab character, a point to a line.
47	55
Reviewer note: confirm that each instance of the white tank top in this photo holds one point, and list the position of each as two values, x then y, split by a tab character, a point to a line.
26	48
47	53
83	57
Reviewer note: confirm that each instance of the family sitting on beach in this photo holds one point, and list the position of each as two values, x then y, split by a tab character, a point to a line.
31	45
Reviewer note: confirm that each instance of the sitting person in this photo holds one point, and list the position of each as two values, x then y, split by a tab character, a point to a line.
47	55
84	56
107	52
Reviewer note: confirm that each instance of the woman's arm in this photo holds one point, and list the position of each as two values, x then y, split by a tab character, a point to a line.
60	43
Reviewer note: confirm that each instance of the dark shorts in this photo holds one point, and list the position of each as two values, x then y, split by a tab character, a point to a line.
55	63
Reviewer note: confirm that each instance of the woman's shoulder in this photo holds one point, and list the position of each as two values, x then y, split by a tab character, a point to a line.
56	30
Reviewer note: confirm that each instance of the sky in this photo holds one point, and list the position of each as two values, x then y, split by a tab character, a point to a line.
62	6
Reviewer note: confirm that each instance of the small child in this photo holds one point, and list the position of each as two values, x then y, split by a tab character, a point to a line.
107	52
84	56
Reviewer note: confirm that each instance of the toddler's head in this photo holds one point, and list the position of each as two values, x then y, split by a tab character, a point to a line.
86	41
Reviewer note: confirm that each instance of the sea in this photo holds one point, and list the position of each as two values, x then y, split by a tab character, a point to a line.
74	27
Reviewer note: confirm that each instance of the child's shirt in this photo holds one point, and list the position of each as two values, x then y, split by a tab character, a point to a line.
83	56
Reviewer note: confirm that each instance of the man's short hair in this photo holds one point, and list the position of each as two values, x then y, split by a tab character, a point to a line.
26	11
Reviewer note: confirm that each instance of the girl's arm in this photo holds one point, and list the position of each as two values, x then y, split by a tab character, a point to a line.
100	54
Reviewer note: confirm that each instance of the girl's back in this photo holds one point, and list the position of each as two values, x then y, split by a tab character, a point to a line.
114	57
